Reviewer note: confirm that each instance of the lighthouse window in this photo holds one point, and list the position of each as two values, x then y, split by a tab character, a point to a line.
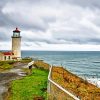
16	34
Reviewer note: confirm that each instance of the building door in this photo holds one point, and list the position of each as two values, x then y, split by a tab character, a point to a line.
5	58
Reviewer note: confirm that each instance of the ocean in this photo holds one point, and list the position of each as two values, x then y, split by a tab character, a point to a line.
82	63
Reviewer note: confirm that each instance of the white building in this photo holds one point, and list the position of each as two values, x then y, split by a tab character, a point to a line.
4	56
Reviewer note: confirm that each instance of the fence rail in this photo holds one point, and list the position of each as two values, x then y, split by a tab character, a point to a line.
50	81
30	63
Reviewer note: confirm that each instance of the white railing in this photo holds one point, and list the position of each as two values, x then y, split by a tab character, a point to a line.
30	63
57	85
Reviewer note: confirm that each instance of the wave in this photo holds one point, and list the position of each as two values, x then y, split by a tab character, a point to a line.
94	81
96	62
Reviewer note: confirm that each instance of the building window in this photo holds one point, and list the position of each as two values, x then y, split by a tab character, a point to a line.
5	57
9	57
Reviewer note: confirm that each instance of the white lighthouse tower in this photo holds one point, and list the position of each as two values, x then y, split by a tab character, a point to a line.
16	44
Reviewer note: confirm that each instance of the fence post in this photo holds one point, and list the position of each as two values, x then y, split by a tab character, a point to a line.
49	76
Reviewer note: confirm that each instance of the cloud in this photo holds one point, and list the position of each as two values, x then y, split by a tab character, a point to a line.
51	22
28	16
84	3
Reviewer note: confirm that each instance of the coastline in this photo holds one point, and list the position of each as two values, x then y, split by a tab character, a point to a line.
76	85
61	76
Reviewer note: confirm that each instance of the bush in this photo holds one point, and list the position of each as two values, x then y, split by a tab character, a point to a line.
6	66
41	64
26	60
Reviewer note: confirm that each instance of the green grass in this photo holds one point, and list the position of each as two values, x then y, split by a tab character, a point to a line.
26	60
6	65
30	86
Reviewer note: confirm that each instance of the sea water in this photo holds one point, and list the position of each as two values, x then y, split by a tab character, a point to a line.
79	62
85	64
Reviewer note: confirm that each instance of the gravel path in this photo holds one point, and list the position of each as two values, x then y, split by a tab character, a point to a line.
9	75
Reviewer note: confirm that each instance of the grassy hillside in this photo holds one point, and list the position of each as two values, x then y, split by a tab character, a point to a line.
76	85
30	87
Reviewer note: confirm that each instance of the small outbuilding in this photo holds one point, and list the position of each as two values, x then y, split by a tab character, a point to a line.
5	56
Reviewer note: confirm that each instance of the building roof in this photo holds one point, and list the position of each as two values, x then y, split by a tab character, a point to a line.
17	30
8	53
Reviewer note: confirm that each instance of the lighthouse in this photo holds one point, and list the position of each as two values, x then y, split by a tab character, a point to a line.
16	44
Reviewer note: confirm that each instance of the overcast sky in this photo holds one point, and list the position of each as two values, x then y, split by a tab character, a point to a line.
51	24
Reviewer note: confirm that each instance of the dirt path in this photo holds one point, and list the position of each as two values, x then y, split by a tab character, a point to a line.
9	75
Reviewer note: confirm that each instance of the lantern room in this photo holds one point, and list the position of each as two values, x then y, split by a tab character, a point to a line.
16	33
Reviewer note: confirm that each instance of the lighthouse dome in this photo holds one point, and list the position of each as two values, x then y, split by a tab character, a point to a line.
17	30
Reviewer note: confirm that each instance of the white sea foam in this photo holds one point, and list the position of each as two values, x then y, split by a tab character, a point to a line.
95	81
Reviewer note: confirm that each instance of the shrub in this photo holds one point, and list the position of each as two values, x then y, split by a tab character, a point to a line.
6	66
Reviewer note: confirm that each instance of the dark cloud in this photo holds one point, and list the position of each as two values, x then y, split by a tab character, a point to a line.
26	44
4	37
16	18
94	41
7	21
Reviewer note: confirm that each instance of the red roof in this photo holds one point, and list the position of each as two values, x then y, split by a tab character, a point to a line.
16	30
8	53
